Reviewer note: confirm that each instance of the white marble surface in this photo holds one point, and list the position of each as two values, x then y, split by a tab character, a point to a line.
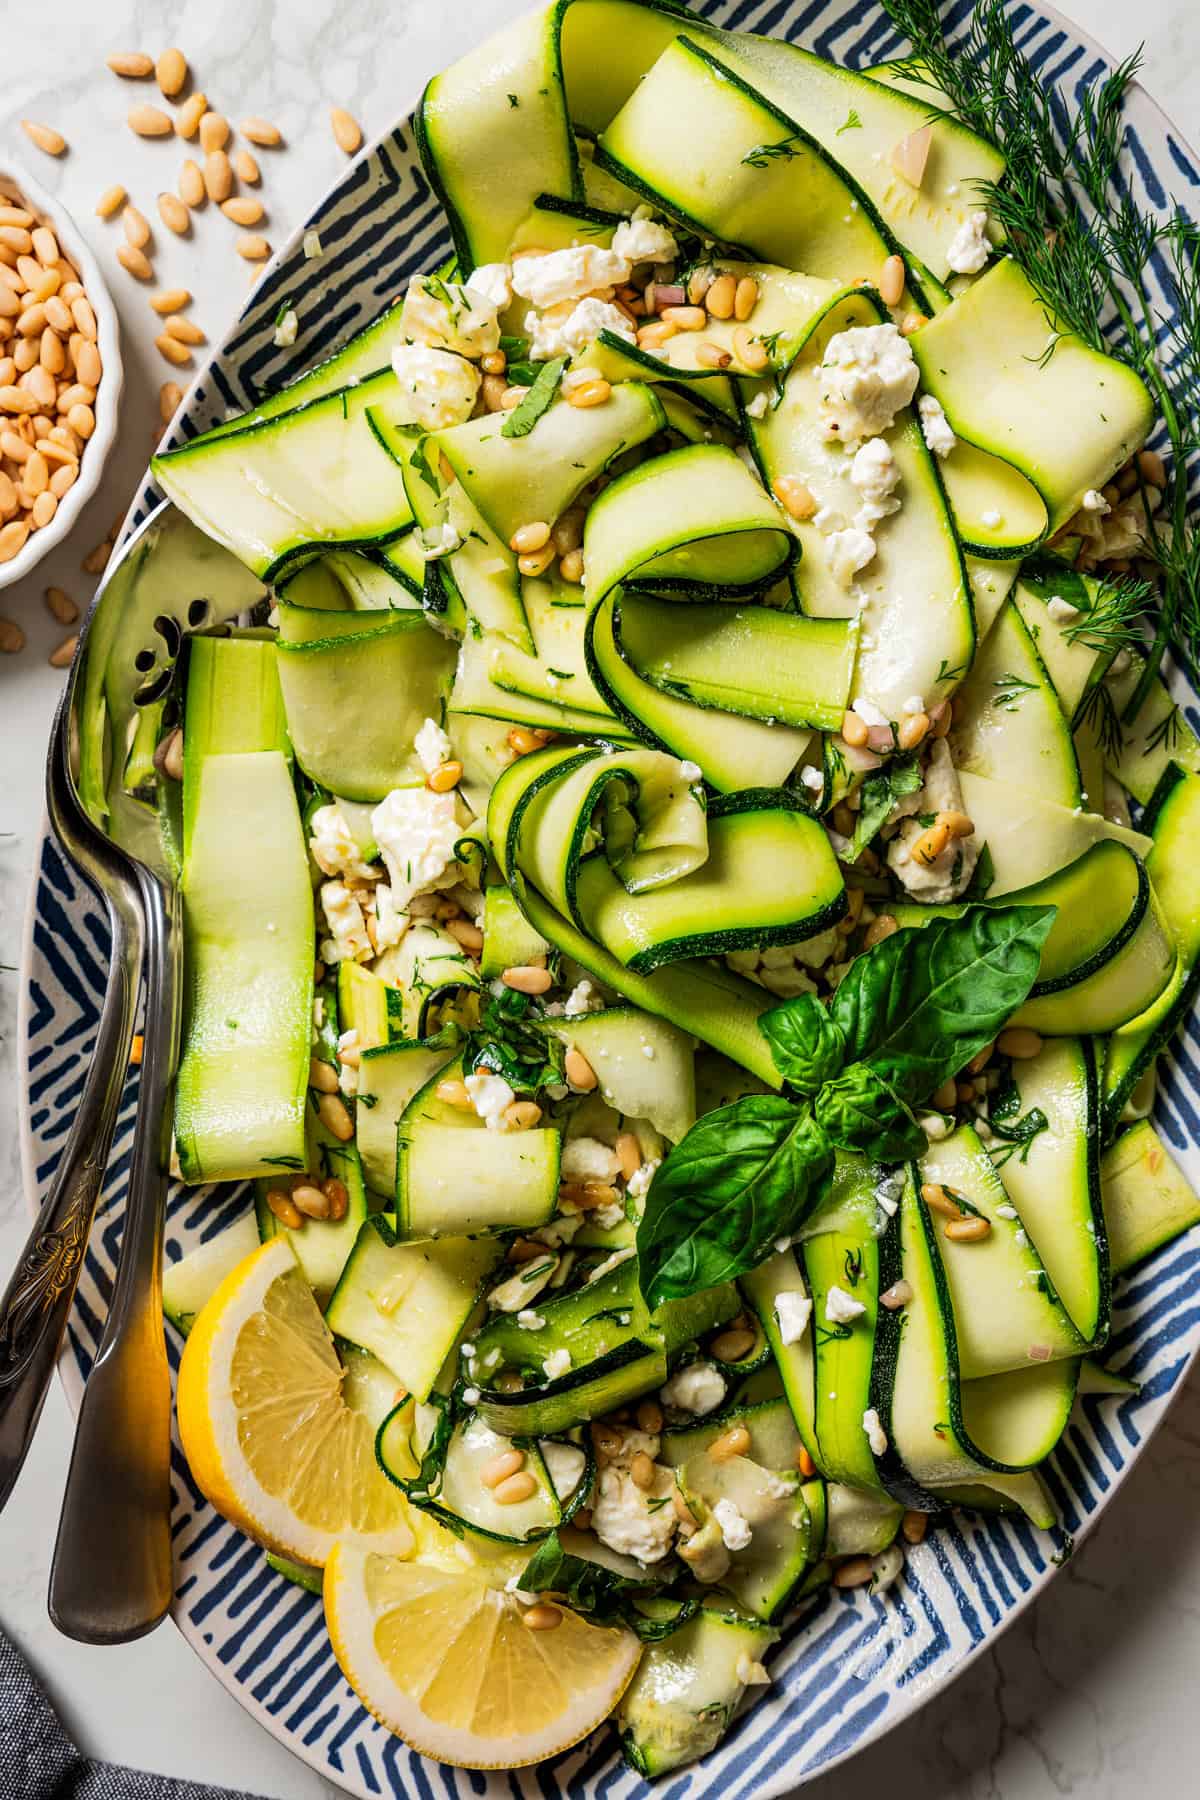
1091	1691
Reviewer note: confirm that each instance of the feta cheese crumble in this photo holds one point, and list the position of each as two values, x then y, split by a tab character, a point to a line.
416	831
876	474
792	1311
841	1308
935	427
699	1389
566	329
348	940
529	1320
969	248
1060	610
587	1159
849	551
494	282
638	1185
643	240
437	388
735	1527
564	1465
582	999
432	746
622	1517
490	1095
450	316
334	848
557	1363
1094	502
286	329
867	375
567	274
876	1435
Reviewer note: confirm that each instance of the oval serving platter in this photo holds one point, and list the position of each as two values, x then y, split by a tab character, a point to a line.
849	1666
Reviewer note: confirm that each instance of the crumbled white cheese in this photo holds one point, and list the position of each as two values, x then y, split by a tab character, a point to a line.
312	246
913	705
792	1311
587	1159
622	1517
1094	502
868	712
612	1262
812	779
334	847
348	940
490	1095
568	274
390	923
514	1295
867	375
436	387
876	474
529	1320
935	427
735	1527
432	746
756	408
690	771
643	240
470	1396
557	1363
439	540
638	1184
1060	610
564	1465
606	1217
568	328
699	1389
841	1307
582	998
449	316
876	1435
286	329
494	282
935	1126
634	1443
848	551
416	831
1006	1212
969	248
751	1673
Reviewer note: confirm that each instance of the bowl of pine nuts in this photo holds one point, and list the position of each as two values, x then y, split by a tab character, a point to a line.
60	373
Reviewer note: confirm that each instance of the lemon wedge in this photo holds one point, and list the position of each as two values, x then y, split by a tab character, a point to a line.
441	1657
264	1426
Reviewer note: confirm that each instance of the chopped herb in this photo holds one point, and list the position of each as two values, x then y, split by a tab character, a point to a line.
1166	733
853	1267
513	101
368	1100
947	673
1017	1133
852	123
1011	690
762	154
521	421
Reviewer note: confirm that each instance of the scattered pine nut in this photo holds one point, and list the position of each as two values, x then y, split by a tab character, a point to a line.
446	776
245	167
136	227
45	137
184	331
171	71
515	1489
542	1618
61	606
856	1571
527	978
967	1231
173	213
260	131
798	500
589	393
311	1200
214	131
243	210
745	298
173	350
334	1115
218	176
892	277
135	262
171	300
96	561
285	1211
12	638
346	130
253	248
63	654
750	351
733	1346
134	65
150	121
110	201
192	190
187	119
721	297
579	1071
734	1442
913	1526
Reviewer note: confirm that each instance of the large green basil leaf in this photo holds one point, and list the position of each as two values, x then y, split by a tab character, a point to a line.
743	1176
806	1043
859	1111
922	1003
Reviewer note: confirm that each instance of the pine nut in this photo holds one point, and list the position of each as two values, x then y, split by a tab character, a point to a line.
447	775
346	130
45	246
589	393
855	1572
956	823
52	142
35	476
322	1076
653	337
173	213
310	1201
494	389
938	1200
570	566
218	176
911	322
136	227
171	71
542	1617
96	561
133	64
892	277
967	1231
253	248
467	934
284	1210
854	730
712	356
12	638
214	131
913	729
32	322
15	215
12	541
734	1442
135	262
805	1463
745	298
243	210
750	351
61	606
1019	1042
184	331
173	350
536	564
980	1062
63	655
260	131
579	1071
641	1471
898	1295
732	1346
945	1097
17	400
629	1153
171	300
51	352
798	500
650	1417
526	978
335	1116
522	1115
85	318
515	1489
453	1093
683	1511
721	297
913	1526
534	536
150	121
1152	468
245	167
684	318
82	421
519	739
338	1196
929	845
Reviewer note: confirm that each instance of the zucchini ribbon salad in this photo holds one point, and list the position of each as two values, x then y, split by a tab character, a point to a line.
710	879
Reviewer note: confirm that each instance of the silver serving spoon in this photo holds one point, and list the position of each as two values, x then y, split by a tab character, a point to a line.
111	1575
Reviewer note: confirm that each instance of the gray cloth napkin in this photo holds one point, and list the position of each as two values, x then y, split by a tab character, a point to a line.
38	1761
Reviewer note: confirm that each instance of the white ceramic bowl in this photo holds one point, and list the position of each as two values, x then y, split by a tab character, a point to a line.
17	186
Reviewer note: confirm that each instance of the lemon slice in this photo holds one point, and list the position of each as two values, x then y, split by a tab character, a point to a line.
441	1657
268	1436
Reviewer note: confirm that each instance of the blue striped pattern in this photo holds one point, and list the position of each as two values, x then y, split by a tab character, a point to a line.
850	1666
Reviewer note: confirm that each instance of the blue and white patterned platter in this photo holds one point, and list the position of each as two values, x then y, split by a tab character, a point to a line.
849	1667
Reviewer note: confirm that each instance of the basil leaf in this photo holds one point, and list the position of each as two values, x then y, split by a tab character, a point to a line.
926	1000
880	793
743	1176
807	1045
596	1592
513	1040
859	1111
521	421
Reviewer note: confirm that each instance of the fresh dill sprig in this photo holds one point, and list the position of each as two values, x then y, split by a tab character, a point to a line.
1070	219
1100	712
1111	622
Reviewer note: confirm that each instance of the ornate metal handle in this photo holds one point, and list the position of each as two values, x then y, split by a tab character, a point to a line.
37	1301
